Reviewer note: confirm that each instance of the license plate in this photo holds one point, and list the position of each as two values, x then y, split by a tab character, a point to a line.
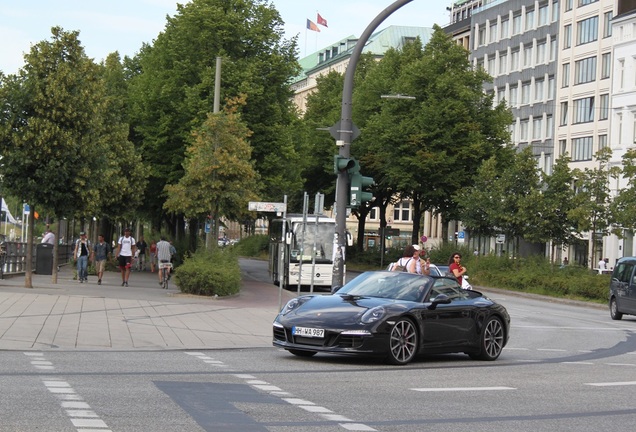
308	332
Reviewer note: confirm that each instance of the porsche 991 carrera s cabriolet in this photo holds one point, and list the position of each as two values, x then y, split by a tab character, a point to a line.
394	315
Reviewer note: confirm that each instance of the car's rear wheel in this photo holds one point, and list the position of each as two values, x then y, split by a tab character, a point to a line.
403	342
614	313
301	353
492	340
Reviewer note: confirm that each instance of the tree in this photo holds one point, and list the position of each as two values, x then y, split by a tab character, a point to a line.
172	90
623	207
593	198
218	174
53	130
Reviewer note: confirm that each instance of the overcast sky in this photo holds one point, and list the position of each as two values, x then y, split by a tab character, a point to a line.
106	26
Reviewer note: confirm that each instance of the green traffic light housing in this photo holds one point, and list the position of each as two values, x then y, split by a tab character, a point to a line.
341	163
357	182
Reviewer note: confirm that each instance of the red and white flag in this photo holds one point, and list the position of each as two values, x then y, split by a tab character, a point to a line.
312	26
321	20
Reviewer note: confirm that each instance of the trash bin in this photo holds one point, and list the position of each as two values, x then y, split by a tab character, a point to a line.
44	259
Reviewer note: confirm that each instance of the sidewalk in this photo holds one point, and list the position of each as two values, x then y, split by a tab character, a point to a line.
73	316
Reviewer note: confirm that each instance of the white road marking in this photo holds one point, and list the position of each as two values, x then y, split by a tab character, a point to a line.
578	363
79	412
300	403
612	384
462	389
551	349
620	364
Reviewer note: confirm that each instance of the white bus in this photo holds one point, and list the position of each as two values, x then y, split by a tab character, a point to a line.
306	247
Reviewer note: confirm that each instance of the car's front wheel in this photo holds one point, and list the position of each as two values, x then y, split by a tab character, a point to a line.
614	313
403	342
492	340
301	353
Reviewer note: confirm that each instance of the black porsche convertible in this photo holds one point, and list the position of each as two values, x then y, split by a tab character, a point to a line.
395	315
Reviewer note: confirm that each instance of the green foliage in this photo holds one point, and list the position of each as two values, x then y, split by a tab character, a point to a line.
537	275
64	150
209	273
253	246
172	90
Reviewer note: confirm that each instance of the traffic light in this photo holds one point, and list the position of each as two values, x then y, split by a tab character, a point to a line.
341	163
357	182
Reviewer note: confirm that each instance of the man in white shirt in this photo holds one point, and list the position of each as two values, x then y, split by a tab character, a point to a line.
48	237
601	266
125	251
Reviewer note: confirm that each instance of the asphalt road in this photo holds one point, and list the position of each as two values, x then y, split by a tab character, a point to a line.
568	367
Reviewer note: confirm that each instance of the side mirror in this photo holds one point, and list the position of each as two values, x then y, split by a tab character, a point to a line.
349	239
288	238
439	299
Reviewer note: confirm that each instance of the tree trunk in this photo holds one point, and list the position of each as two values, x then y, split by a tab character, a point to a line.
28	275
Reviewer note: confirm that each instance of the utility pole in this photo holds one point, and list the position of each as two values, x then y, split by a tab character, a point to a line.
213	233
344	144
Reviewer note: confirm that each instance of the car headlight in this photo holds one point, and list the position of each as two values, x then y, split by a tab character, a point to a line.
373	315
293	304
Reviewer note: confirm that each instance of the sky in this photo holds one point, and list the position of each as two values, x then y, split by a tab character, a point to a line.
106	26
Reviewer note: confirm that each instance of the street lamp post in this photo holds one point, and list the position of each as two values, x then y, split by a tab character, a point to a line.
345	134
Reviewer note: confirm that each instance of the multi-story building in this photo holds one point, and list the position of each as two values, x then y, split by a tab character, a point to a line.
622	113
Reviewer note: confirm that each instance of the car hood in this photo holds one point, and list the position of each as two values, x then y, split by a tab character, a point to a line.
337	308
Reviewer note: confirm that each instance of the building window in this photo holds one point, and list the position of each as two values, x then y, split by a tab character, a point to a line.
549	126
514	60
501	94
584	110
604	107
481	35
568	5
582	149
493	32
503	64
529	19
504	29
567	36
585	70
586	2
606	65
537	125
553	49
555	10
587	31
551	88
565	82
602	141
621	74
564	114
516	24
523	135
527	56
607	24
373	214
402	212
562	147
491	66
543	15
538	90
513	96
525	93
541	47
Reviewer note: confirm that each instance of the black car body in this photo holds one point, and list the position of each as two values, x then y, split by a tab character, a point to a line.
622	295
396	315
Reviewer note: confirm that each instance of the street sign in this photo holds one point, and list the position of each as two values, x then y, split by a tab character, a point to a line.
461	236
267	206
500	239
424	239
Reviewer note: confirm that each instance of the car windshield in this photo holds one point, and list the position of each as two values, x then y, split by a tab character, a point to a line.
391	285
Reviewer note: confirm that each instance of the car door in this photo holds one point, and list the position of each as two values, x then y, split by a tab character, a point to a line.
450	324
623	287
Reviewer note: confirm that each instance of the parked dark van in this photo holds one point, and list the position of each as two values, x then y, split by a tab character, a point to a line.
622	297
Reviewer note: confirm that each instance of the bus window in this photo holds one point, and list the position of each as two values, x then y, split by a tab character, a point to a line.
321	234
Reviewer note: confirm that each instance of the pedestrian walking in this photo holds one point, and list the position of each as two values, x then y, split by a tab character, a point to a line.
141	247
101	251
125	251
82	254
153	256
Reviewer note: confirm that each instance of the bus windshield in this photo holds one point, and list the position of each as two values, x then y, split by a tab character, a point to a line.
320	235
